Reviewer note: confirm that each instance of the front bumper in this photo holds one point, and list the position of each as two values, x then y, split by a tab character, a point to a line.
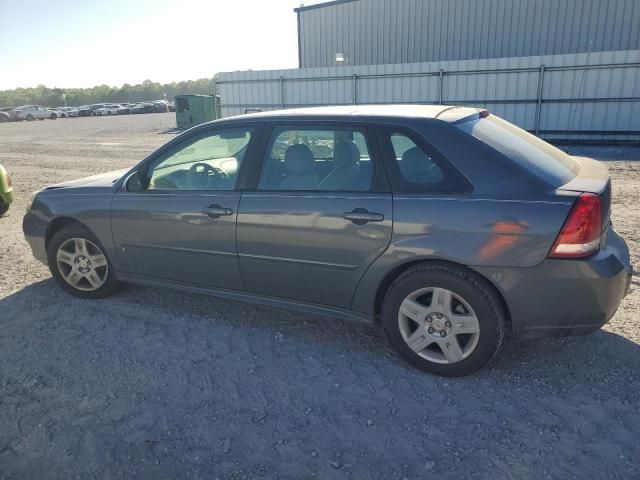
7	197
35	231
565	297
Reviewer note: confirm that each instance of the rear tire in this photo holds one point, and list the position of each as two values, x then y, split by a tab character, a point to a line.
4	207
29	117
53	116
79	263
444	319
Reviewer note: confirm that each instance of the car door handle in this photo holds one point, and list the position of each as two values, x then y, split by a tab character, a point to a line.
215	211
360	216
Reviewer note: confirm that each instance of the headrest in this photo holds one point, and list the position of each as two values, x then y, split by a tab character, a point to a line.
298	159
413	162
345	153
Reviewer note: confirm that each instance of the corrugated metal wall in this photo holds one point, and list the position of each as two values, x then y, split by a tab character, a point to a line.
601	102
373	32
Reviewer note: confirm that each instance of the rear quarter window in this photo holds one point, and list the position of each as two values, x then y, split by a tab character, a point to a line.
415	166
543	160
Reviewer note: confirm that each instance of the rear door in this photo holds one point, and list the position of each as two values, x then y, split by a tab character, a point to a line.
319	214
181	225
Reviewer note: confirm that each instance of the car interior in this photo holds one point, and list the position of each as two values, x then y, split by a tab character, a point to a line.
318	160
208	163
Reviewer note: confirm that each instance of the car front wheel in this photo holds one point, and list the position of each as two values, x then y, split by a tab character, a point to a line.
79	263
444	319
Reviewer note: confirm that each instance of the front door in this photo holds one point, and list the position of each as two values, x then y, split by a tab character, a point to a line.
320	215
181	225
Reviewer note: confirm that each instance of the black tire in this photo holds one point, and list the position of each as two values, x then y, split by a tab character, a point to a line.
478	294
92	113
4	207
53	116
29	117
76	230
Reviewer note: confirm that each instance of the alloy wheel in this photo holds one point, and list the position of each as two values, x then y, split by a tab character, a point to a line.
438	325
82	264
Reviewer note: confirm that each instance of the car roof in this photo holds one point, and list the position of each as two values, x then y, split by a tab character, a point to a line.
451	112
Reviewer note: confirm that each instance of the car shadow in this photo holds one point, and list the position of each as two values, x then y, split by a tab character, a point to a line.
171	131
568	360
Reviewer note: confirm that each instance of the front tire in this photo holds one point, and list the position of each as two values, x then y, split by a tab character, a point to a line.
53	116
29	117
78	262
444	319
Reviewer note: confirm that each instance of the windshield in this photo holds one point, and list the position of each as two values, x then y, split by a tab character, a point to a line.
539	157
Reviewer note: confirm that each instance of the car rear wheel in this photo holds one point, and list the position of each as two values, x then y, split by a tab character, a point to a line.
29	117
79	263
444	319
53	116
4	207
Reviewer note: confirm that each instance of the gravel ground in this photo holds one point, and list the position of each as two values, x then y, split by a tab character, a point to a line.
159	384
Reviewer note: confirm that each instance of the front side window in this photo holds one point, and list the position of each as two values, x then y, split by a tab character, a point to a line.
209	161
325	159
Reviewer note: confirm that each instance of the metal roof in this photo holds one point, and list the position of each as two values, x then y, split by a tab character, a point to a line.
302	8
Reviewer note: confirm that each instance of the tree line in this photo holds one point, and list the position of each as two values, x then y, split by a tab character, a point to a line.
147	90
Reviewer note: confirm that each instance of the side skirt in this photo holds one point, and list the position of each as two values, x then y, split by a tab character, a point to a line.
275	302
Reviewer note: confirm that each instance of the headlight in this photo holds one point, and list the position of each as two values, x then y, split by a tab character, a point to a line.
31	199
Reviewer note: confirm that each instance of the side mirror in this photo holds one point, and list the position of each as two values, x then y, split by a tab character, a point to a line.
133	183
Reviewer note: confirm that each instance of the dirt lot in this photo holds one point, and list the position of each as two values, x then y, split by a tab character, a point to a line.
159	384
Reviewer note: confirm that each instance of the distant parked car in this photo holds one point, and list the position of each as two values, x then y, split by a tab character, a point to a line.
71	112
162	106
108	109
32	112
6	191
4	117
145	107
124	109
60	113
90	110
451	227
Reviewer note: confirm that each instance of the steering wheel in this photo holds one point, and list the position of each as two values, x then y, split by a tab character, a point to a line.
201	174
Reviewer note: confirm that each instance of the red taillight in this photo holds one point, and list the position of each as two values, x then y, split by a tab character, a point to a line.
580	234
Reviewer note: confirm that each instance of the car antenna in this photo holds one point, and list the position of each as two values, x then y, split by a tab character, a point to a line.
572	118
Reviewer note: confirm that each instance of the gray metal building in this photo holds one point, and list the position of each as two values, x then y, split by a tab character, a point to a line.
563	69
378	32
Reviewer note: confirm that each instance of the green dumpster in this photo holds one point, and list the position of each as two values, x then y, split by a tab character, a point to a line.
195	109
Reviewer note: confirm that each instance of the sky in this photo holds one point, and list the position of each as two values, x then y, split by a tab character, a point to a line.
82	43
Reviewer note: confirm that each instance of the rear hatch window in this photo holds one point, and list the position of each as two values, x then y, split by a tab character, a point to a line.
545	161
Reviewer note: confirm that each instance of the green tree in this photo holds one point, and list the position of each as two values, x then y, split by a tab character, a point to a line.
147	90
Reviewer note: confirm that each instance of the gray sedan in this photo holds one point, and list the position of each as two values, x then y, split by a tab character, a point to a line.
448	226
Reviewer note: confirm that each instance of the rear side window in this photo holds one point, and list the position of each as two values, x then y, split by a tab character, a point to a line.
545	161
332	159
416	167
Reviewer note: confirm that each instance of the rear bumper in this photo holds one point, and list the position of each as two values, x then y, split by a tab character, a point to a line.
35	231
565	297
